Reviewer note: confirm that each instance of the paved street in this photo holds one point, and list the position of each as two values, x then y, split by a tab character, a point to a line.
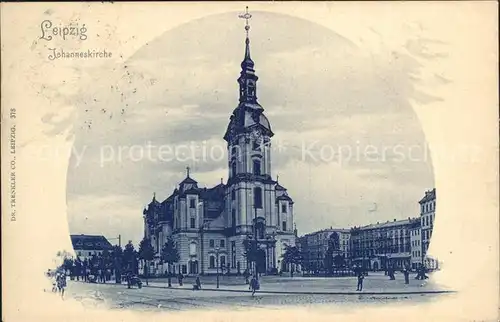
237	297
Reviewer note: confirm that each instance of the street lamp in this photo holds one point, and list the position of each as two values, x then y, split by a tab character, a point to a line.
256	243
217	249
203	226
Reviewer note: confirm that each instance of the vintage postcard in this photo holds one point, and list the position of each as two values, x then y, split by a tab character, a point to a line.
232	161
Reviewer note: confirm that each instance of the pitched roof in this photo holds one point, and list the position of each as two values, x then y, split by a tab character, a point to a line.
90	242
215	193
429	195
189	180
280	187
284	197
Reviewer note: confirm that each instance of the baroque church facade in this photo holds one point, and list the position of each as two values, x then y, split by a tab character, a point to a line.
210	225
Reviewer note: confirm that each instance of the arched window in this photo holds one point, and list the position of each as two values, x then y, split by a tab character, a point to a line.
257	197
192	249
233	169
222	261
212	261
256	167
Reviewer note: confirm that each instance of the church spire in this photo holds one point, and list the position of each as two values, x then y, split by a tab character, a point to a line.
247	58
247	79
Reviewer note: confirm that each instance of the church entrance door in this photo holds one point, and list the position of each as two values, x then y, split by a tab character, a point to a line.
193	267
261	261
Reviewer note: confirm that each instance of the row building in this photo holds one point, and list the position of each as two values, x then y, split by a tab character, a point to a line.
393	244
314	248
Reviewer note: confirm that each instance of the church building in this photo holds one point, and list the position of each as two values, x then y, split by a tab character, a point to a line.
210	225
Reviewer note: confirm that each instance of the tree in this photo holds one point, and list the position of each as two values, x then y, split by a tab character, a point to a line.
170	255
117	256
292	256
105	263
329	260
334	241
338	260
146	253
130	258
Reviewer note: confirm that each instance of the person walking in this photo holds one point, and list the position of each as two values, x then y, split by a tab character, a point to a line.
406	273
61	284
180	277
254	285
361	277
197	284
391	274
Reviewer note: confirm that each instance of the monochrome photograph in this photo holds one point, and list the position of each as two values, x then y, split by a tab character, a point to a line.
267	157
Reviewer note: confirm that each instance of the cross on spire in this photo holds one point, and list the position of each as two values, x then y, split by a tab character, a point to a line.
187	171
247	17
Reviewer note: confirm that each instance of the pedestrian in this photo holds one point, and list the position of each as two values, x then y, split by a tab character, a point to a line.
254	285
391	274
406	273
180	277
197	284
361	277
61	284
417	277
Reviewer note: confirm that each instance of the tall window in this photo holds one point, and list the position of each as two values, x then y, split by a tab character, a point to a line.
233	195
212	261
284	226
233	169
211	243
193	222
222	261
192	249
256	167
192	203
222	243
283	208
233	218
257	197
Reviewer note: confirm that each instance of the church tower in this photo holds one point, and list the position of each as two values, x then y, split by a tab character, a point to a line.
251	192
214	226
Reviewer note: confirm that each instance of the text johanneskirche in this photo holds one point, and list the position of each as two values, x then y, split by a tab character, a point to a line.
207	223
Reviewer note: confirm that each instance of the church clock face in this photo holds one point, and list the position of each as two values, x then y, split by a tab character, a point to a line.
256	134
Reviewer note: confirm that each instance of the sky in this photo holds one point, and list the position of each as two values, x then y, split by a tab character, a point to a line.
347	146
